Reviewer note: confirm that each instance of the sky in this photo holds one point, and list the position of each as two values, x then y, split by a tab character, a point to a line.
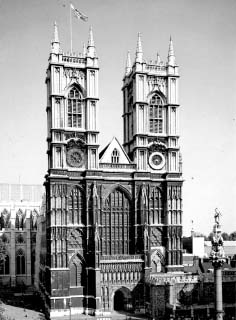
204	39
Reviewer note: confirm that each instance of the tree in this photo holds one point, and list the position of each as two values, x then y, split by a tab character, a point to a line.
210	236
232	236
225	236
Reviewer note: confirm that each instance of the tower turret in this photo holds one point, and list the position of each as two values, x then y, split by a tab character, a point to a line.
55	44
171	54
84	50
128	64
139	50
91	47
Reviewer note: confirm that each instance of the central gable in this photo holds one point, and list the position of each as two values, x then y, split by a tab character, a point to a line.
114	153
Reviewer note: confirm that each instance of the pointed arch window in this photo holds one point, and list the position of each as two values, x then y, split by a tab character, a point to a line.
20	262
115	156
76	272
74	109
156	210
116	225
76	207
156	114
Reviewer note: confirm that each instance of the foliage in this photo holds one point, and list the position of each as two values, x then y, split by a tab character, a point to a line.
210	236
232	236
225	236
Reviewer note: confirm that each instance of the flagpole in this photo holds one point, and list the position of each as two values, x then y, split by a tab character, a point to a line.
70	30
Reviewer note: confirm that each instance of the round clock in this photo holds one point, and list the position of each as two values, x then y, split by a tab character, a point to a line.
75	157
157	160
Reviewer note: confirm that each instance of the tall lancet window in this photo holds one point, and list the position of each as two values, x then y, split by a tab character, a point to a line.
156	118
75	109
116	233
77	213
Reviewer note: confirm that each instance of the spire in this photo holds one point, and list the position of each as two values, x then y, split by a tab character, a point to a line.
139	50
56	37
171	54
128	64
84	50
158	58
91	46
55	44
91	41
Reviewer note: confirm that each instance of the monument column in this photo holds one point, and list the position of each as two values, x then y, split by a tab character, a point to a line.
217	257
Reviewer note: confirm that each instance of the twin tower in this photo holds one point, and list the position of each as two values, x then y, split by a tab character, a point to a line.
114	218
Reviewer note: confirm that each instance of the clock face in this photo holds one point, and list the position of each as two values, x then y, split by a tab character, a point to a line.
157	160
75	157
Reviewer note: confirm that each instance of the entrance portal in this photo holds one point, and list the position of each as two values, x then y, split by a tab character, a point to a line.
119	301
123	300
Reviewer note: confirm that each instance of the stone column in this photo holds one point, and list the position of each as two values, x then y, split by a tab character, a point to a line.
218	291
217	257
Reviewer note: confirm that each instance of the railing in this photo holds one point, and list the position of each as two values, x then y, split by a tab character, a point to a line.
156	68
173	279
117	166
73	59
121	257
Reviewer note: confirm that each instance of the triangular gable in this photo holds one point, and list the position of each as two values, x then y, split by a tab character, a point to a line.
106	153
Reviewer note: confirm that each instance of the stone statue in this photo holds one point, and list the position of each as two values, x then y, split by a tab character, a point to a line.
217	216
217	250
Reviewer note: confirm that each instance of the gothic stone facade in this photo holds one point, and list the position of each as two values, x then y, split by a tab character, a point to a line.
20	207
115	218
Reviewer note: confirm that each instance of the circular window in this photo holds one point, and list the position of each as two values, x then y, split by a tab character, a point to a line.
156	160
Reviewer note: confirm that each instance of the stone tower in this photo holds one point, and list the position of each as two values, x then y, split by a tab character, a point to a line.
112	219
72	103
72	106
151	139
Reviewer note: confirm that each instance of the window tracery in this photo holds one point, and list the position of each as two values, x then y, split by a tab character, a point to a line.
115	237
156	117
76	207
76	272
20	262
156	207
115	156
74	109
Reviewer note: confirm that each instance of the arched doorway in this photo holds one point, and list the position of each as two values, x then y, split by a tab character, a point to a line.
122	300
119	301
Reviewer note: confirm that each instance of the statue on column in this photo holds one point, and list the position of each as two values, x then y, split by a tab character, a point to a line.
217	254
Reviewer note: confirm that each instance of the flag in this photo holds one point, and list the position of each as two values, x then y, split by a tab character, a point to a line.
78	14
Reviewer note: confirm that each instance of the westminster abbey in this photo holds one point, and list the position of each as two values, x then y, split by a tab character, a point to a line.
114	217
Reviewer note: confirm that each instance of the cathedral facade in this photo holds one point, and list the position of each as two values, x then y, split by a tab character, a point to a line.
113	218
